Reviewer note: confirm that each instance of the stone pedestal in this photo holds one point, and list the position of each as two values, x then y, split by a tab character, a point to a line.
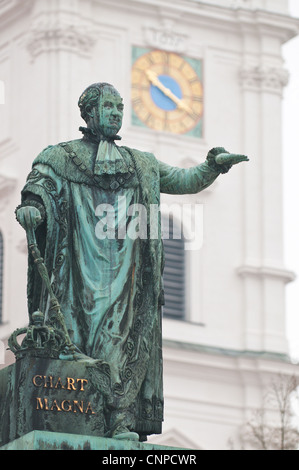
48	395
48	404
44	440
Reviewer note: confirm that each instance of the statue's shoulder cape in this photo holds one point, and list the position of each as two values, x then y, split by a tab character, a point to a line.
59	157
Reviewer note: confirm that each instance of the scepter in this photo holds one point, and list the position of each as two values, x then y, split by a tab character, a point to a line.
54	304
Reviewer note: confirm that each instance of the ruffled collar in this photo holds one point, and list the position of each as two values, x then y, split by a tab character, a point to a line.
109	160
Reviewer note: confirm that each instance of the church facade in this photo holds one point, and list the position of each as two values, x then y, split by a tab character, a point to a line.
224	327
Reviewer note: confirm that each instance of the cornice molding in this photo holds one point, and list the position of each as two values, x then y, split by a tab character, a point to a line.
266	5
229	17
263	272
180	348
46	38
265	79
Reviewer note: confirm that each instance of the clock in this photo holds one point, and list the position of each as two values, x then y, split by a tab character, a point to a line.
167	92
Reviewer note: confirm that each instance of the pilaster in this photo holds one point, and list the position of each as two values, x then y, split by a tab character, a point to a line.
263	273
60	44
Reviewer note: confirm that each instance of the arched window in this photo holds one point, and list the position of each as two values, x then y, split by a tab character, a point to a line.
1	276
174	274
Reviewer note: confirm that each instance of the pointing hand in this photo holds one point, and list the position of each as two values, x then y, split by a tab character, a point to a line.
230	159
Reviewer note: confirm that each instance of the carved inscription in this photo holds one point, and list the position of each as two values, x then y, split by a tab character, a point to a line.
68	405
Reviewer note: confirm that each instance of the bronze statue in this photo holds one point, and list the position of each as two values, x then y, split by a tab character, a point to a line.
104	280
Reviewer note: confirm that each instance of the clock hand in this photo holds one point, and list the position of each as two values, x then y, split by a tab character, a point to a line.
153	78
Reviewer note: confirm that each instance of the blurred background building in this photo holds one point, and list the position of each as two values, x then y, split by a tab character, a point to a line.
224	325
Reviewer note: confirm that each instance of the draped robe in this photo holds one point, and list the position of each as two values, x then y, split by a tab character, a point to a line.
109	289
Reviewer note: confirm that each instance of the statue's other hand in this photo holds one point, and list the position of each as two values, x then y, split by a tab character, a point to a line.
29	217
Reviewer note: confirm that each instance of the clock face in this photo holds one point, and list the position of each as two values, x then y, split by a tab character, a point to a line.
167	92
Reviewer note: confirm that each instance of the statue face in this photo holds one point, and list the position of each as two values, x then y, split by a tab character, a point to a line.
110	112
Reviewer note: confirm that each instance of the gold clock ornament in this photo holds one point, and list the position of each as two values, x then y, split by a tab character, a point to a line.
167	92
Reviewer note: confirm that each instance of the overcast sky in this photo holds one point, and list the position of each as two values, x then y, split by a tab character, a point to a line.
291	181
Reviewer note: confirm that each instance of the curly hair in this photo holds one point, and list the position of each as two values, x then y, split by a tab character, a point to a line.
90	98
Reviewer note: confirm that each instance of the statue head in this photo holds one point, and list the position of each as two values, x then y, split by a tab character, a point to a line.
101	108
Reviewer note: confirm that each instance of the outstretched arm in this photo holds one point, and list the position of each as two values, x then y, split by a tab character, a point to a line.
193	180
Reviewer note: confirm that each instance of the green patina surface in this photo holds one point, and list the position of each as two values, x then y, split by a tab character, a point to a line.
44	440
95	295
49	395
